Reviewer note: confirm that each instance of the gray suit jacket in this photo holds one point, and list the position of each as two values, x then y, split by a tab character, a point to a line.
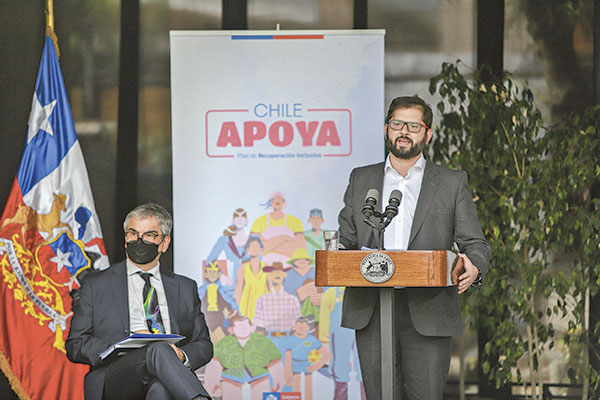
445	214
101	318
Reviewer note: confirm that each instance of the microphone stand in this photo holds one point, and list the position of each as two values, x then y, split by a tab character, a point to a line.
382	221
386	313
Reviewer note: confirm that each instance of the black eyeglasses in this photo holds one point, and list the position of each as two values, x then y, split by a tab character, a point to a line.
413	127
132	235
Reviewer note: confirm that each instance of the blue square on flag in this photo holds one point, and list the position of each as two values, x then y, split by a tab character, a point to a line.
68	254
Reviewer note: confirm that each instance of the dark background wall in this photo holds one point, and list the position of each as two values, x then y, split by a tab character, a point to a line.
16	62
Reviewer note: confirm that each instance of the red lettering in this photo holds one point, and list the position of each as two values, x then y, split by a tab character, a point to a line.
287	130
281	133
229	135
254	130
307	133
328	134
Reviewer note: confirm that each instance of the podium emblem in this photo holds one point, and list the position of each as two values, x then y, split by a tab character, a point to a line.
377	267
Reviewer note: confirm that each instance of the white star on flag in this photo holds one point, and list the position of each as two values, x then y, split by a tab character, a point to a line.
61	260
38	119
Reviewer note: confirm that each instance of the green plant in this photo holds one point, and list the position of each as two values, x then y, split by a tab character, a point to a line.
572	212
495	133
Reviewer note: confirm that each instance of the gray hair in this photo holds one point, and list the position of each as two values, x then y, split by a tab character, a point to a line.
151	210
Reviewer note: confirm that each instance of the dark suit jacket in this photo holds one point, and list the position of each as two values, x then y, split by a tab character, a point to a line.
101	318
445	214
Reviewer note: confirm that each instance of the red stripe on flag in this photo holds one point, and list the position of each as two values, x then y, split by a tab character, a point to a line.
99	242
286	37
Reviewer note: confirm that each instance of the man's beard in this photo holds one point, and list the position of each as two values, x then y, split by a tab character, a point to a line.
406	154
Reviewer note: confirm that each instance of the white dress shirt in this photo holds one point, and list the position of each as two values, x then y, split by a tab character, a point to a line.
135	288
398	231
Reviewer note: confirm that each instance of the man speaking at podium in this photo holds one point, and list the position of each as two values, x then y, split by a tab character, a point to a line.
136	295
436	211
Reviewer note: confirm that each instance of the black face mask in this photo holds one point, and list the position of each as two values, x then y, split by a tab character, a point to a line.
141	252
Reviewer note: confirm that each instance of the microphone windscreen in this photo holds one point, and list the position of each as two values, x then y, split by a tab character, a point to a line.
372	193
396	195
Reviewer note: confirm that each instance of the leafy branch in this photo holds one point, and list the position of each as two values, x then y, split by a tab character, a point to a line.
535	191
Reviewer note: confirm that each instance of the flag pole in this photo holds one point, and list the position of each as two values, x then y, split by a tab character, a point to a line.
50	25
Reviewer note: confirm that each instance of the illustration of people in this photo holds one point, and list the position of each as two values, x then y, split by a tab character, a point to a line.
232	244
281	233
300	281
341	342
218	300
251	279
277	310
314	236
244	357
304	356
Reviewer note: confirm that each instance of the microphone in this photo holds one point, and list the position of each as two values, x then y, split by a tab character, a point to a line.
370	201
392	208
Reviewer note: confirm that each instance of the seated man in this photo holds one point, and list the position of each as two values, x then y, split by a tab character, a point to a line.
135	295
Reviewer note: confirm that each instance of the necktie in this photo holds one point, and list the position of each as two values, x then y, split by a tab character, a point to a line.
151	308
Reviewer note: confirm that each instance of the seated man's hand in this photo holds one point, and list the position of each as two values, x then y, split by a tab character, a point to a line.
180	354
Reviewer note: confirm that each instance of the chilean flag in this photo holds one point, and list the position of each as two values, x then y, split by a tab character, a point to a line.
49	234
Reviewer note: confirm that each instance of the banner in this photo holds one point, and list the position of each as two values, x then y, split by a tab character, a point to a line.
266	129
49	234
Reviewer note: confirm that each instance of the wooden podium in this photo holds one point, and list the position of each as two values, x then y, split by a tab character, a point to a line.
410	269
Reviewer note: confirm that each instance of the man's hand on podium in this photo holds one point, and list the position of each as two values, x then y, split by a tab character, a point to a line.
464	273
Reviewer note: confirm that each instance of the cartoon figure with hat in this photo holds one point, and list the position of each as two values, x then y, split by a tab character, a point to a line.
301	282
315	240
277	310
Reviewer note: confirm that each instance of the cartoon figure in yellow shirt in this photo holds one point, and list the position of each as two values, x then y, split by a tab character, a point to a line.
281	233
251	281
